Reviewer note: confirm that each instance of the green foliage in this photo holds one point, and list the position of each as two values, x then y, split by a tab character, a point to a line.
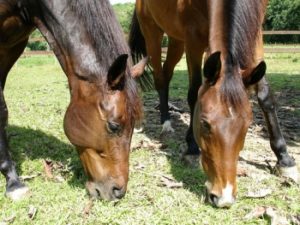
35	34
37	45
165	41
283	15
124	14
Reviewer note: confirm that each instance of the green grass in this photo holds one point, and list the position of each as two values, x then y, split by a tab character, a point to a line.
37	96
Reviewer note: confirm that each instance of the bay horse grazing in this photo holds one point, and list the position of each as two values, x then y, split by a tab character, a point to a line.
104	103
230	32
223	112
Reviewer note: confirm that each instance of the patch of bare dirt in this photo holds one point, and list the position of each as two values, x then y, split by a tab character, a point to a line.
257	156
288	112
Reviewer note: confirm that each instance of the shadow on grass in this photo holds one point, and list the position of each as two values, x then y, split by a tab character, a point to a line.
26	143
192	178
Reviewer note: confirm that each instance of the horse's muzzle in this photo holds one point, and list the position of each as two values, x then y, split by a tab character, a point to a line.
108	192
225	200
221	202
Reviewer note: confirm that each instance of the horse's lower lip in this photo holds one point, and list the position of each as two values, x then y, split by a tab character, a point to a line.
207	200
92	190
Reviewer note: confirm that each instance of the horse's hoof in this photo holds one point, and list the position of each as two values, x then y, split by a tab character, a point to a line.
167	128
193	161
18	193
289	172
138	130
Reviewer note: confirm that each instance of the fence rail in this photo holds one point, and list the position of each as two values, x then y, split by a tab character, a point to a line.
282	50
281	32
266	50
31	53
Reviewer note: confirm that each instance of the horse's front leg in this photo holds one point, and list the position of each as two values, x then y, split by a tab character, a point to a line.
286	164
195	47
174	54
14	187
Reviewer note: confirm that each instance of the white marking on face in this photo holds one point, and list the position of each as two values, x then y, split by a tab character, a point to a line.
230	111
227	198
227	191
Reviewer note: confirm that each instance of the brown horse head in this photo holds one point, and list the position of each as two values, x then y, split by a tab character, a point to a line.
100	124
104	105
222	117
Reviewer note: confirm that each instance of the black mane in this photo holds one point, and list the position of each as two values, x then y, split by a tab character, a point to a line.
242	23
101	25
105	36
109	41
243	20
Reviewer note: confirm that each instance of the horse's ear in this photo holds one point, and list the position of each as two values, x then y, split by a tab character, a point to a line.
212	68
116	73
256	75
138	69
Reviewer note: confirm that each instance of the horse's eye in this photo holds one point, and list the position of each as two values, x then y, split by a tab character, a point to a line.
205	127
113	127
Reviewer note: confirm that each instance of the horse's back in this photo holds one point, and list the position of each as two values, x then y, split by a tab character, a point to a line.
175	18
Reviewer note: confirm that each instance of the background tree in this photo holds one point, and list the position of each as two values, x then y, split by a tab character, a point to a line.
283	15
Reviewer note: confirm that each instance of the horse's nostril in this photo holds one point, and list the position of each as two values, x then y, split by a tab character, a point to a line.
118	192
213	198
98	192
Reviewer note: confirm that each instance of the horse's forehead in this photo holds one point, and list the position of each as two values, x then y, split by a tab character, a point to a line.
210	100
114	102
214	109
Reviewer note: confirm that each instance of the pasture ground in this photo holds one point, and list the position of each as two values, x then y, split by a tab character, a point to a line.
37	96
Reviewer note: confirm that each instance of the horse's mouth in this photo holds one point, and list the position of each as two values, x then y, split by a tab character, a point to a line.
96	191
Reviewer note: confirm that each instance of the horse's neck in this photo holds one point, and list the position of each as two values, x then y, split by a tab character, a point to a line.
235	28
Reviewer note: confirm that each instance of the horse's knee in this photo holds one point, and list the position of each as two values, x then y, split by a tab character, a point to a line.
278	144
5	166
265	98
266	103
160	83
192	96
